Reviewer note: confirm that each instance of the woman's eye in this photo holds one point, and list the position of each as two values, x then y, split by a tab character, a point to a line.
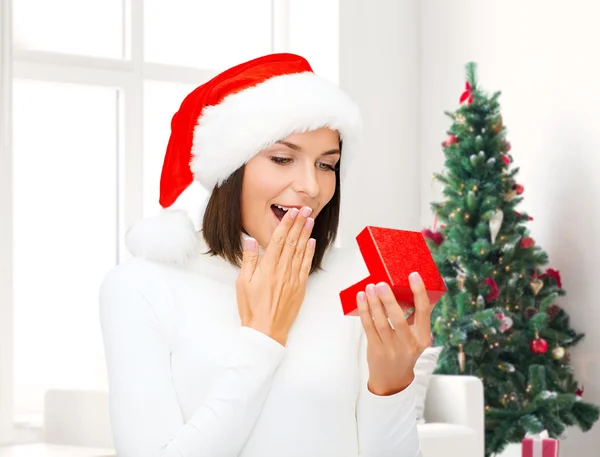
326	166
281	160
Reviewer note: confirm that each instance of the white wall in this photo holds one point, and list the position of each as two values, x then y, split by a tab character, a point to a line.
545	57
379	65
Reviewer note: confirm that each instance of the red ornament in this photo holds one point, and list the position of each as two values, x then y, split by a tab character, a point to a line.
529	218
436	237
519	189
467	94
527	243
452	139
506	145
505	159
579	392
553	274
493	295
539	346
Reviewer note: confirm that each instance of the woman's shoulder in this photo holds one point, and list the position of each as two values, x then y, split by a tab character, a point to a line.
135	283
136	272
151	278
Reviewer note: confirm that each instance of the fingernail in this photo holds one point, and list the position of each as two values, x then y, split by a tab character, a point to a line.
293	213
249	243
415	279
371	290
306	211
312	243
381	288
362	297
309	222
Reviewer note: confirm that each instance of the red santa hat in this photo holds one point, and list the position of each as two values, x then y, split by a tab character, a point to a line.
225	122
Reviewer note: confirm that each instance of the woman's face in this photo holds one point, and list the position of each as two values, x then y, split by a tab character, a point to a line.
297	171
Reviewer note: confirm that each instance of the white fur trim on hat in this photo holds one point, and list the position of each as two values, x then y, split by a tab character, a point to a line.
231	133
168	237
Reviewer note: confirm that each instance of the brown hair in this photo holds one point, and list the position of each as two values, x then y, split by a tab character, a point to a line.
222	222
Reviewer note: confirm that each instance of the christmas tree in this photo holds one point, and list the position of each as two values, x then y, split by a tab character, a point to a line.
499	320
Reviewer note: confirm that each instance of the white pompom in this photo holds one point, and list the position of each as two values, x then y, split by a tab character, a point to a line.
169	237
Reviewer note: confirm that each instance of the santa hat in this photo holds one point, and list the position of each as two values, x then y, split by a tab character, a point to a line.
225	122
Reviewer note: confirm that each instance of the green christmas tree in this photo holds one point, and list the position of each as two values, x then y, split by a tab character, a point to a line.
499	320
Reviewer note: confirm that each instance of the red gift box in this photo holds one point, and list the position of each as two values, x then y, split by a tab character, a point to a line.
539	446
390	256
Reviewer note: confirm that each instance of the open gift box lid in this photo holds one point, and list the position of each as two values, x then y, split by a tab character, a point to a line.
390	256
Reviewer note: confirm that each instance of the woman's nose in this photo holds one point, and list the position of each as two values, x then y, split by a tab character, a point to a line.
307	183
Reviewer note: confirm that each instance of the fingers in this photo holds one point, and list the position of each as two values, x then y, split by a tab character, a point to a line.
366	318
249	259
292	246
306	265
301	247
393	310
386	333
422	308
279	237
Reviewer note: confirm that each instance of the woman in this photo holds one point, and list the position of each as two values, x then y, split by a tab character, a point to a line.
231	341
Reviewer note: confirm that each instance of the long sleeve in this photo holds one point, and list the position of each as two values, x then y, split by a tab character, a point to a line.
387	425
145	414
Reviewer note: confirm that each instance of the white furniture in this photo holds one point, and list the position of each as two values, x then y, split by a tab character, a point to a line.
454	417
53	450
77	423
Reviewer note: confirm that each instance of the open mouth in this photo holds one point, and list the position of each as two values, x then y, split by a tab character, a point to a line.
279	211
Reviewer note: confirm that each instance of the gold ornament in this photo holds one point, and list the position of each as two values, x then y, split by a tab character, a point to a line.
460	119
497	127
536	285
461	281
461	358
558	352
440	186
510	195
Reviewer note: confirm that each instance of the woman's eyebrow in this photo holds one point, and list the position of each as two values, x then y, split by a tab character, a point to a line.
292	146
296	147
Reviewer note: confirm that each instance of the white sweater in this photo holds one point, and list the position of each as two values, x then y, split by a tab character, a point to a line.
187	380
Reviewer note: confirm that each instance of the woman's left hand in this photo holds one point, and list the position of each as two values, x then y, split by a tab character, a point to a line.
393	350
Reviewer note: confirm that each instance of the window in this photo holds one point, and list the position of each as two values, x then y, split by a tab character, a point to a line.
87	93
206	33
41	25
64	233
